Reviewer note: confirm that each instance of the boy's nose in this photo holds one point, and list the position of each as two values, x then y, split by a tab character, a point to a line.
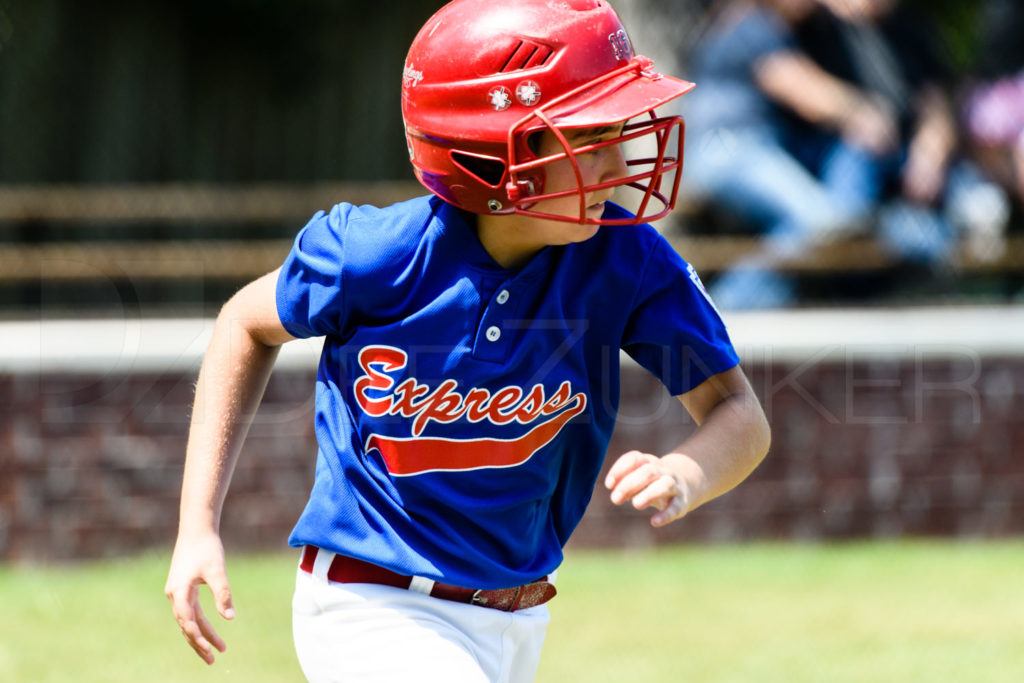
615	166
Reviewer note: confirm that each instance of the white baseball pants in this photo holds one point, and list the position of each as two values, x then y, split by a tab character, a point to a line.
368	633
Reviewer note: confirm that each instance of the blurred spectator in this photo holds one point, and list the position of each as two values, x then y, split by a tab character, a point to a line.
736	158
994	111
898	145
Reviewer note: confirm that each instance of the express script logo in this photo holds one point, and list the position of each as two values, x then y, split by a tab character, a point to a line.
378	395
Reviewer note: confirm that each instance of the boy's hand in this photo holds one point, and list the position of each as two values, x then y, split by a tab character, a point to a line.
648	481
197	561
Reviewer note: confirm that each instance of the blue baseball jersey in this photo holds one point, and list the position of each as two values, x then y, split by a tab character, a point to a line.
463	410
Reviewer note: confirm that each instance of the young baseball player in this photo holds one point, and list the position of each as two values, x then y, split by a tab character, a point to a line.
469	380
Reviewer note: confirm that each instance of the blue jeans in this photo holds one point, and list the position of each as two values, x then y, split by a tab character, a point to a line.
906	230
749	172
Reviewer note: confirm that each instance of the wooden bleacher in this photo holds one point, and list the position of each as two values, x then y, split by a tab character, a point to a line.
140	257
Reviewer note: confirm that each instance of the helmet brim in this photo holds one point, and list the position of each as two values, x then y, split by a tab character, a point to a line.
618	99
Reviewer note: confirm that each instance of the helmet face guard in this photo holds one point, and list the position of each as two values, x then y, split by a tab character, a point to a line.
525	186
483	77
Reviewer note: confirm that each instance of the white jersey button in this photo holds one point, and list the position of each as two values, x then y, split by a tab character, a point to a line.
493	334
502	296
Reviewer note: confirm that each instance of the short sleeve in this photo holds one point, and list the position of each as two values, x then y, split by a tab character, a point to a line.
310	295
674	330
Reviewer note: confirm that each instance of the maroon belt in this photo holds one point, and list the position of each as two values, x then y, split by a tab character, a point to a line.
350	570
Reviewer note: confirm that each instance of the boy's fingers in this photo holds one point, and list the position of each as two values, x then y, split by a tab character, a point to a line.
197	629
209	634
190	616
658	493
623	465
222	595
646	481
636	481
675	510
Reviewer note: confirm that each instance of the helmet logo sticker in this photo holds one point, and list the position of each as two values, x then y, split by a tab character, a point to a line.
528	93
621	47
499	98
411	77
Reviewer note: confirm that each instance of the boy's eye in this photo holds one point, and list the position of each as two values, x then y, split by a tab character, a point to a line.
599	140
593	137
591	140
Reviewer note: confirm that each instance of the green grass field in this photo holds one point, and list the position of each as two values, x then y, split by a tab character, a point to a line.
908	611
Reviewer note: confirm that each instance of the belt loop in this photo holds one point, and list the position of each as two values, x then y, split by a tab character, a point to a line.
515	602
322	565
421	585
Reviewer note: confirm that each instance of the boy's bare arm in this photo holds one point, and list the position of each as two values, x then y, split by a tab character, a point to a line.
234	374
732	437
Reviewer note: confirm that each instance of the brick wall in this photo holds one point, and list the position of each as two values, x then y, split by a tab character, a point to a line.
861	448
864	446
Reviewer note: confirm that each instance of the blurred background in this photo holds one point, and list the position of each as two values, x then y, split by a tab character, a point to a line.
861	233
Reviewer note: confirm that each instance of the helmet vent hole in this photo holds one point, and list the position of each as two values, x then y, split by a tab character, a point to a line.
526	55
486	169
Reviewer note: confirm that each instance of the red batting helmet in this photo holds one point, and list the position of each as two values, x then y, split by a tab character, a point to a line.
483	75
